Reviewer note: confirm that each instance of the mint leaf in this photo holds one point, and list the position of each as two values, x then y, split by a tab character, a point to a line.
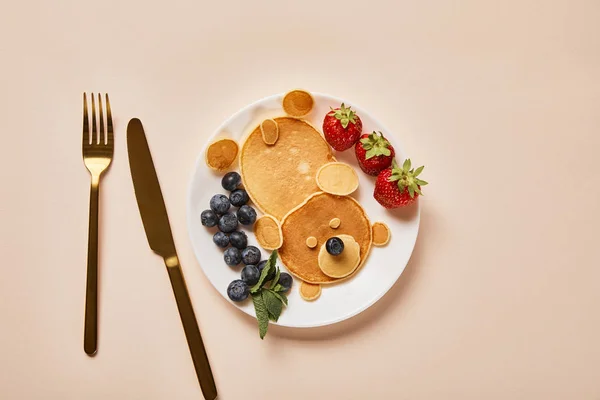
276	279
272	303
278	288
262	314
281	296
266	271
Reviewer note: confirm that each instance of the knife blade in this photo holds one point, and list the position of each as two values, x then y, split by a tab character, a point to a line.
158	232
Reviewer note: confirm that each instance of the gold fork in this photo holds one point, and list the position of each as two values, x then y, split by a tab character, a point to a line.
98	147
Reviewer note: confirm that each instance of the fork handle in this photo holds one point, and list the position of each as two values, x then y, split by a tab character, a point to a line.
90	336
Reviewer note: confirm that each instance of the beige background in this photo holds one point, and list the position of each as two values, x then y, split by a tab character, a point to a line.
500	101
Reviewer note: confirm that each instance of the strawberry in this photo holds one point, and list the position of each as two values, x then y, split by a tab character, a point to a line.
374	153
398	187
342	128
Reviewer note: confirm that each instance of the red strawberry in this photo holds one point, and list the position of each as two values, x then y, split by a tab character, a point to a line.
398	187
374	153
342	128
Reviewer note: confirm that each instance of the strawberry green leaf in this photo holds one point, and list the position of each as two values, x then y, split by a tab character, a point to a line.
411	191
406	165
371	153
418	171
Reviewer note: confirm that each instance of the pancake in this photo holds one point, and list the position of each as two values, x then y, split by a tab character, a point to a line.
381	234
309	292
312	219
268	233
341	265
269	131
279	177
298	103
337	178
221	153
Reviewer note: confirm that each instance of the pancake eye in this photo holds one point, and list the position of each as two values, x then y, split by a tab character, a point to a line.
311	242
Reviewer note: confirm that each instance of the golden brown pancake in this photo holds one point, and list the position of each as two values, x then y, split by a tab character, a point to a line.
221	153
298	103
337	178
270	131
312	219
381	234
341	265
309	292
268	232
281	176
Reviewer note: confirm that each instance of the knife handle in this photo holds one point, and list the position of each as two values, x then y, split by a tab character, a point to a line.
190	326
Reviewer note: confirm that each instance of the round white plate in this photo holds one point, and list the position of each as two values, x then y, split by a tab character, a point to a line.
337	302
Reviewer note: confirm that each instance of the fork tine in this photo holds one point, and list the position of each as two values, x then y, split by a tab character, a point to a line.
101	133
95	136
109	122
86	123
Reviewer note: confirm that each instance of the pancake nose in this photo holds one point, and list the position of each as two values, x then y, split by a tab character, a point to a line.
344	262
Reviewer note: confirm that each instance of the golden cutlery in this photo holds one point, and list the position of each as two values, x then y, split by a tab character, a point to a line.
158	231
97	147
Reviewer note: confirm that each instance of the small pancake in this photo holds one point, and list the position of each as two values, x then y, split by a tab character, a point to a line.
268	233
269	131
337	178
298	103
312	219
381	234
311	242
279	177
335	223
309	292
343	264
221	153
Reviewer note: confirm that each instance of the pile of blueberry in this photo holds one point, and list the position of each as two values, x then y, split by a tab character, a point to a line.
228	234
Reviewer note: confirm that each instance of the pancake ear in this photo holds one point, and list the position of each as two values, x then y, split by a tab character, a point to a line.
268	232
221	154
381	234
337	178
270	131
298	103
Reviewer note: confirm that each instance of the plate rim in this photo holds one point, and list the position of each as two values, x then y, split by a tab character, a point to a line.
200	159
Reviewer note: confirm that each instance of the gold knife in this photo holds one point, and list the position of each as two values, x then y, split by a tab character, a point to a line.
156	224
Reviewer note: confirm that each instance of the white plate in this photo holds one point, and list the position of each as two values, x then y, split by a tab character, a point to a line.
337	302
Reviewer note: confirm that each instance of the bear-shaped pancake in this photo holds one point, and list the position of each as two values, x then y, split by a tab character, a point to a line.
291	175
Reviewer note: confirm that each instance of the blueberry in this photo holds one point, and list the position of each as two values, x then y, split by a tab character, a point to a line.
246	215
238	239
231	180
334	246
221	239
250	275
238	290
232	256
219	203
239	197
261	266
251	255
285	280
209	218
228	223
